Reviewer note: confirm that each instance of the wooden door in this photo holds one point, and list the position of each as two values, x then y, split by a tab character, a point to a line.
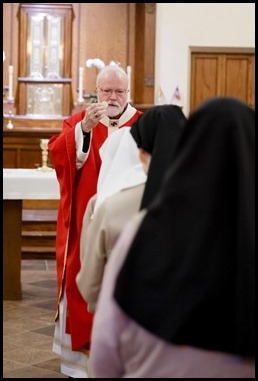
222	74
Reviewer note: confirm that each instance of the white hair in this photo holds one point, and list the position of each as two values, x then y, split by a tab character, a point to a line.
111	69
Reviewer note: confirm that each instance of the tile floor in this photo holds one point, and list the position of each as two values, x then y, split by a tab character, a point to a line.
28	325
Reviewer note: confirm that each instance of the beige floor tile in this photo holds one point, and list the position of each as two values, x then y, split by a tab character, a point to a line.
28	325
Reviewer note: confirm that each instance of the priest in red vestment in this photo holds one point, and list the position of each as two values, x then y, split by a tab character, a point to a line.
75	157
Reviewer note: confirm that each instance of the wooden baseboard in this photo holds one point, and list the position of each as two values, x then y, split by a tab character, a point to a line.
40	204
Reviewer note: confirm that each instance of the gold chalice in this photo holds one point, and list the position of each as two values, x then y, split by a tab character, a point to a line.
44	147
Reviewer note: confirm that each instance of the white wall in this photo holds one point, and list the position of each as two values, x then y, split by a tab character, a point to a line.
182	26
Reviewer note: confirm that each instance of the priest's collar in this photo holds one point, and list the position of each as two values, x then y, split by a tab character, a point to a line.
115	123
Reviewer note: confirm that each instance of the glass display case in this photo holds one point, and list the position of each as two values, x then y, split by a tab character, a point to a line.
44	78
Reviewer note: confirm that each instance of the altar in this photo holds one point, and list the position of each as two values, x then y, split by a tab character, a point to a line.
20	184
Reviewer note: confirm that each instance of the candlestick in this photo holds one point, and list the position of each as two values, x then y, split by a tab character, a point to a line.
10	124
80	95
129	73
10	93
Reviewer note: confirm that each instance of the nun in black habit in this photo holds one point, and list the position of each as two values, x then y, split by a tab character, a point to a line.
183	300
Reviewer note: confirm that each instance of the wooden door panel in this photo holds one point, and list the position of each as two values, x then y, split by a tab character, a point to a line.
205	80
222	74
10	158
251	82
236	77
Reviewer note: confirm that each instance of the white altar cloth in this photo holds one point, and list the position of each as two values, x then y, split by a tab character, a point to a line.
30	184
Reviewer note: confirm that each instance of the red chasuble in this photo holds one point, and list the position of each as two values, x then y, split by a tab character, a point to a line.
76	188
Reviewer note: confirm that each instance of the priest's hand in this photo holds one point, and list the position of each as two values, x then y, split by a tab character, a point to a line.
94	112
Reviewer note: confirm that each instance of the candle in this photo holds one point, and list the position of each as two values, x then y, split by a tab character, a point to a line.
10	93
129	73
80	95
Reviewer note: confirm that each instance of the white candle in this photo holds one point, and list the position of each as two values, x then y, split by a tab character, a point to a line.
80	95
129	73
10	92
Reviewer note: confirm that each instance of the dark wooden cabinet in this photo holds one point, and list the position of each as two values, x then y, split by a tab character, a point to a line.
21	146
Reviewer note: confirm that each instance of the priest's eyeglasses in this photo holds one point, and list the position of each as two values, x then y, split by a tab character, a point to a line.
108	92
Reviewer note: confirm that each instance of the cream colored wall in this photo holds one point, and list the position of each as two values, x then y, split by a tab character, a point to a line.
180	27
